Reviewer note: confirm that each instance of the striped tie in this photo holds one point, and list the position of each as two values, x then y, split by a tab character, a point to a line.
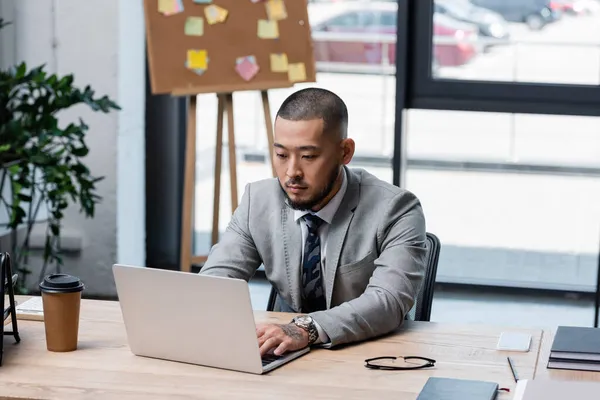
313	298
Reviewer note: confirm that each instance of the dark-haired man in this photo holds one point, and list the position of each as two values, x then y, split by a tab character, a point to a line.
342	248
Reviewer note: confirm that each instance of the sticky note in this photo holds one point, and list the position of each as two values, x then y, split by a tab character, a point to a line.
279	62
215	14
267	29
296	72
170	7
252	59
194	26
246	67
276	10
196	59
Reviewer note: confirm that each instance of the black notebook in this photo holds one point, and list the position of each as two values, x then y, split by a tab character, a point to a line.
458	389
573	343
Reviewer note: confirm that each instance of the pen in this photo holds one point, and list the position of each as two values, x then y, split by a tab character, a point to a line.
512	369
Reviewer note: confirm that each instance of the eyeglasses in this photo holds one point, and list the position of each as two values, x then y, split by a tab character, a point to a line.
410	362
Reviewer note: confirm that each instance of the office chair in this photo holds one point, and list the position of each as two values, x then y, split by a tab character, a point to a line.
421	310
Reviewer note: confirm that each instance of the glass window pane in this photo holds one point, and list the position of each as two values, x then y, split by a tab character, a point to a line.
354	36
513	198
517	41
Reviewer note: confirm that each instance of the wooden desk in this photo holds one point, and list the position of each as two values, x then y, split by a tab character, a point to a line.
103	367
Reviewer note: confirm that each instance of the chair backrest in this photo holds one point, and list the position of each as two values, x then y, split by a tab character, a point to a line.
421	310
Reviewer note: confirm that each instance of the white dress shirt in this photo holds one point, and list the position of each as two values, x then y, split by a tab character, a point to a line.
326	214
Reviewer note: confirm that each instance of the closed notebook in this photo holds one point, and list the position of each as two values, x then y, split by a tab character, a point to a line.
458	389
576	343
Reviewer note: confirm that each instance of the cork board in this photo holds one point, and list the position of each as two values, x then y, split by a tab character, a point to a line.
220	46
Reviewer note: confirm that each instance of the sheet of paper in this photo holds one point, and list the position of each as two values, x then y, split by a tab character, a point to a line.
279	62
246	67
296	72
276	10
196	59
194	26
215	14
267	29
170	7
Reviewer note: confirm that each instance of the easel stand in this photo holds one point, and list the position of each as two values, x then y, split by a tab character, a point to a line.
6	285
225	107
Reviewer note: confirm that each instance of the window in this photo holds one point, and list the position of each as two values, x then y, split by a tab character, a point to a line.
522	56
512	197
349	20
518	41
389	19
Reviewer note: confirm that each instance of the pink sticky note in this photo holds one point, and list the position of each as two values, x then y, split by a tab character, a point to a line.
246	68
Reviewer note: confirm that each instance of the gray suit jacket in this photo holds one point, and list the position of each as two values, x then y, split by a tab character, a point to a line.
376	252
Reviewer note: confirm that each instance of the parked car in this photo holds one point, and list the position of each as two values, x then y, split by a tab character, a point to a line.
535	13
355	18
576	7
490	23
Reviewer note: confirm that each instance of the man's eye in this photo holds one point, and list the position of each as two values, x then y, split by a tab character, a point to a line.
281	155
310	157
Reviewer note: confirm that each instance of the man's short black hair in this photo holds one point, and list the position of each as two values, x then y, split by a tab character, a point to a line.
316	103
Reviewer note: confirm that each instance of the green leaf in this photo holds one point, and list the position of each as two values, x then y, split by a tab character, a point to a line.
80	151
24	197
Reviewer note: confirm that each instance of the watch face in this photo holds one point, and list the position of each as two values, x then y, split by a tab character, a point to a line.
304	319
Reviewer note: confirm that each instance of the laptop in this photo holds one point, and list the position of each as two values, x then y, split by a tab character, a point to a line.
191	318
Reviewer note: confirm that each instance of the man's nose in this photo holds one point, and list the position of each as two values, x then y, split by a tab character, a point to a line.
293	169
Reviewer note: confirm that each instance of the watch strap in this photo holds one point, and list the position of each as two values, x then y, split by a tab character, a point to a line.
309	326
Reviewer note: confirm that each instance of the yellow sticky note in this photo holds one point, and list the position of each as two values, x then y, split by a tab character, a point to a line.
166	6
279	62
196	59
296	72
194	26
276	10
215	14
267	29
170	7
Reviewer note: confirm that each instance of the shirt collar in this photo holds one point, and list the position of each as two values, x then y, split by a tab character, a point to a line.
326	213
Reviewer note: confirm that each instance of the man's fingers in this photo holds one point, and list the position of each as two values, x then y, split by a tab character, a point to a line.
268	345
282	348
262	339
260	330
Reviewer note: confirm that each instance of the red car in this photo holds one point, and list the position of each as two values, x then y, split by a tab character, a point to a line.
341	33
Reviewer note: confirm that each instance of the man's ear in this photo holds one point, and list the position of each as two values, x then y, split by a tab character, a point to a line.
348	147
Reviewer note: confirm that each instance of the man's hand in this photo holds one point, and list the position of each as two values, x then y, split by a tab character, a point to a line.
282	338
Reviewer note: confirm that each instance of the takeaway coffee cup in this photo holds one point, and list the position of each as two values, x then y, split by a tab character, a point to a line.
61	297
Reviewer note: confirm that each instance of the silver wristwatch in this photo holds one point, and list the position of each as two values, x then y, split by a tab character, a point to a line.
307	323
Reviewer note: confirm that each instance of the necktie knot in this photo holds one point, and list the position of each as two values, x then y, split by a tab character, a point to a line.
313	222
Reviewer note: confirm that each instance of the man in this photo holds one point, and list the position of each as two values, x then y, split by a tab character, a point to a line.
342	248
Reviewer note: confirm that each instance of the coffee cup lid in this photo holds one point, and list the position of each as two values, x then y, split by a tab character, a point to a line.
61	283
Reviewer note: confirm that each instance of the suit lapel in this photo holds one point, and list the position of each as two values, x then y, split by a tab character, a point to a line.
337	231
292	240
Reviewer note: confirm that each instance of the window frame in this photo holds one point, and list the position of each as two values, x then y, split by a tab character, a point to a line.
426	92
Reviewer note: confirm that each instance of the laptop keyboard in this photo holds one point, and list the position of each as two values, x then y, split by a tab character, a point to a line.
269	358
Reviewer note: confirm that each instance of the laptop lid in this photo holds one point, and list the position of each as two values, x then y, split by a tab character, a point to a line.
190	318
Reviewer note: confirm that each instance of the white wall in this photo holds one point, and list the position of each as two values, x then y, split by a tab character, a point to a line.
101	42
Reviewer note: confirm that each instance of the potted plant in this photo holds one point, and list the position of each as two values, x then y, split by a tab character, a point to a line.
42	164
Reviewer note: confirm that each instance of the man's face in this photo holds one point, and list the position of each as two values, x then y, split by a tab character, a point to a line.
307	161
